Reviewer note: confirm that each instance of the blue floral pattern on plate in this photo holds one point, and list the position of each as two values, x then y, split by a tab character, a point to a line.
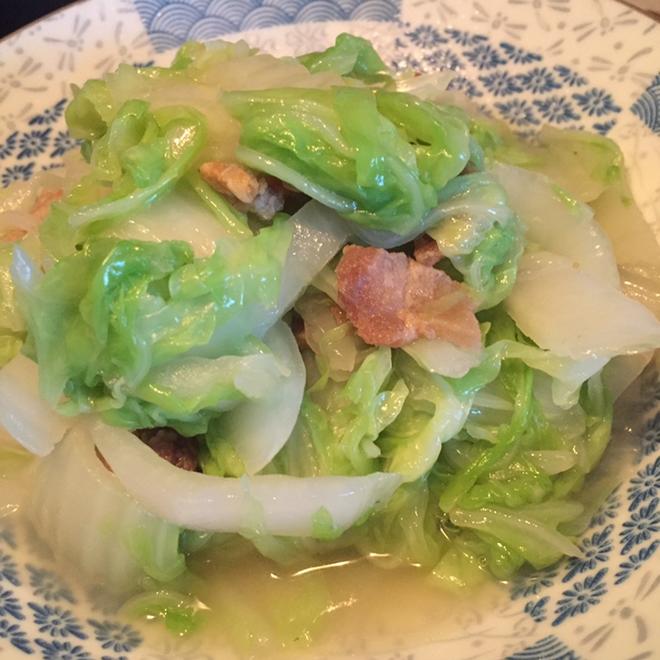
33	143
55	650
608	510
56	622
10	605
523	90
9	570
46	584
581	596
650	440
641	526
595	549
644	485
16	173
634	562
115	636
538	81
537	609
18	638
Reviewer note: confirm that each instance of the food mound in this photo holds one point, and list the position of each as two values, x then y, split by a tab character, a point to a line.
319	307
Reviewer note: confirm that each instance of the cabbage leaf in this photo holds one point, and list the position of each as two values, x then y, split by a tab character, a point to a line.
433	413
115	323
350	56
475	227
378	158
136	159
340	422
12	327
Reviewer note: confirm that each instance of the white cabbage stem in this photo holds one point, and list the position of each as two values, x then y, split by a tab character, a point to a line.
556	223
23	413
269	504
318	234
427	86
443	358
259	428
82	512
581	316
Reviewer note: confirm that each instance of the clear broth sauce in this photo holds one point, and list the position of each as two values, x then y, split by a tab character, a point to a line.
342	606
349	606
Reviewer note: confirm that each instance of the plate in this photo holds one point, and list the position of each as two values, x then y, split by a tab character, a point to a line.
591	64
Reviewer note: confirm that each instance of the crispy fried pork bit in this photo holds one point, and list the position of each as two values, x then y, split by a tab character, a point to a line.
44	201
12	235
392	300
39	211
245	189
426	250
176	449
298	329
339	314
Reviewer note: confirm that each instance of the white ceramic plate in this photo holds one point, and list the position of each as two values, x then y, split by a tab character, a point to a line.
591	64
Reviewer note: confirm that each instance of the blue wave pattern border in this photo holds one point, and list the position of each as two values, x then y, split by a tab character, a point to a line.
548	648
170	23
647	106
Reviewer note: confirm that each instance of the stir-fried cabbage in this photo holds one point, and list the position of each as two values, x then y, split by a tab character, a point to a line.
260	427
340	422
557	223
272	504
578	303
351	56
29	419
136	159
137	292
